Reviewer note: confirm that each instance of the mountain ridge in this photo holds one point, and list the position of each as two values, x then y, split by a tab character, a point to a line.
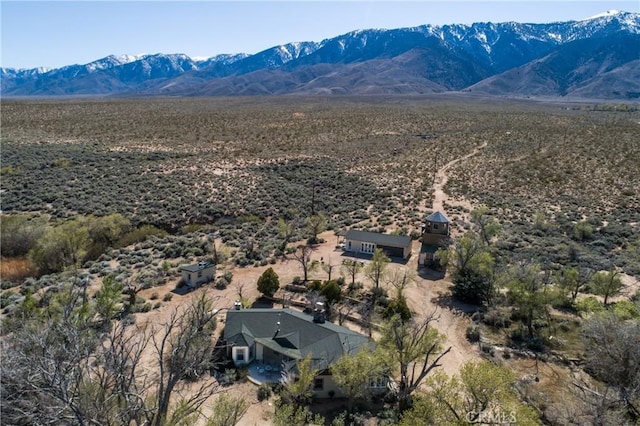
484	56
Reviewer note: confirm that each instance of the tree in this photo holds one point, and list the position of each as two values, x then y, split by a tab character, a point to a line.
486	226
353	373
351	268
298	388
416	348
61	247
472	269
105	231
286	230
398	306
60	366
606	284
316	224
613	356
400	279
345	309
227	411
109	299
572	281
328	268
288	415
529	294
19	233
331	292
268	283
303	256
483	393
184	350
375	269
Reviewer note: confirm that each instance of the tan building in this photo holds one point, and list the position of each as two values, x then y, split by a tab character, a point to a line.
364	242
198	274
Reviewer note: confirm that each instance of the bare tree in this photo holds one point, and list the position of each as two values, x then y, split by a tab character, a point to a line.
486	226
303	256
351	268
184	350
416	347
344	310
400	278
613	356
328	268
375	270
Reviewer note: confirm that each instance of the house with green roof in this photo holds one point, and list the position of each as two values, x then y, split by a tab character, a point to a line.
271	341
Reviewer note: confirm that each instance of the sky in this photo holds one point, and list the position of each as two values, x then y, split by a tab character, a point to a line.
56	33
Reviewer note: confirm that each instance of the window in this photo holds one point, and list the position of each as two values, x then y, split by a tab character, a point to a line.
318	384
189	276
435	226
240	355
199	274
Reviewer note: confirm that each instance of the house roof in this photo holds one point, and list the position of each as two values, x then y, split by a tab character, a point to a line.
298	335
197	266
438	217
379	239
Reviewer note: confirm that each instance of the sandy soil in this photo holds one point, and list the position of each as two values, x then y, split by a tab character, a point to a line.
429	294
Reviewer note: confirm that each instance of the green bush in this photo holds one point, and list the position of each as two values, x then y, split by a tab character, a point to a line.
589	305
626	309
473	333
263	392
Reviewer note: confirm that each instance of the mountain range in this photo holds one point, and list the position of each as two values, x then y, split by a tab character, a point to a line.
597	57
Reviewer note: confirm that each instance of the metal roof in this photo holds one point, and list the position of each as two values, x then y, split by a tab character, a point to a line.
437	217
197	267
379	239
297	334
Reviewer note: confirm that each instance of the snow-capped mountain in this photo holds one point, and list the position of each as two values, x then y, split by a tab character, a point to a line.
498	58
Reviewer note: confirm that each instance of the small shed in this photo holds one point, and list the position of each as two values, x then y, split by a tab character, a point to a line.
198	274
398	246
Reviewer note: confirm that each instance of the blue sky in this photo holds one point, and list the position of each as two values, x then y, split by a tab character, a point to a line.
56	33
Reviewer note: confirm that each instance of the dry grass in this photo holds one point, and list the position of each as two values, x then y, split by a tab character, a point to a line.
16	269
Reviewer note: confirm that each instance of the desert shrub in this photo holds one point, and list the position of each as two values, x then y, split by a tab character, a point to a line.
626	309
167	297
263	392
472	286
496	318
473	333
19	233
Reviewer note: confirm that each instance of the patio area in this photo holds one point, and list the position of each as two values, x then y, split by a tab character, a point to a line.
260	373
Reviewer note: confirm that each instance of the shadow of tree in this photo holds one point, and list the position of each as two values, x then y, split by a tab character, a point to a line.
431	274
447	301
263	303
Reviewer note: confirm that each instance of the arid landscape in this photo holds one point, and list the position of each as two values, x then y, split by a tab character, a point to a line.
539	189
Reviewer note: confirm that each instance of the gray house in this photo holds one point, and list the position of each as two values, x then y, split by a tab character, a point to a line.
398	246
274	339
198	274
